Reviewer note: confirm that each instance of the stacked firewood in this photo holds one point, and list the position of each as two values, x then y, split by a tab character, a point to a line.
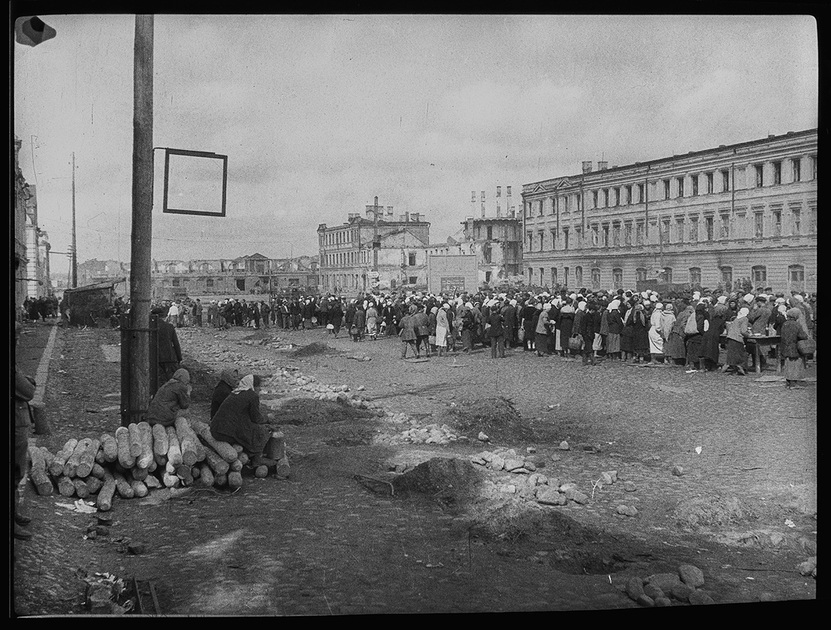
140	458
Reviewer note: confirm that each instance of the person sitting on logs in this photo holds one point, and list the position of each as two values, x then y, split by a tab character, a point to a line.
228	380
239	421
171	400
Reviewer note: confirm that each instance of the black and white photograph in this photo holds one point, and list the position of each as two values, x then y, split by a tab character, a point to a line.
373	314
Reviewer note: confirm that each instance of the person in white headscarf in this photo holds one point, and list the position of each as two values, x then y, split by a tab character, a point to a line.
737	332
239	421
614	325
656	337
442	329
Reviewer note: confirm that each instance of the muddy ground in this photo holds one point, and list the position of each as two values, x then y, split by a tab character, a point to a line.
360	527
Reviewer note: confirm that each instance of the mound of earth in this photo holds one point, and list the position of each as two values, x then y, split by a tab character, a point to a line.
306	411
312	349
496	417
709	511
448	480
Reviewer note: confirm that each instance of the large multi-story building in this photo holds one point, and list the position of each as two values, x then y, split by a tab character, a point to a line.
707	218
374	252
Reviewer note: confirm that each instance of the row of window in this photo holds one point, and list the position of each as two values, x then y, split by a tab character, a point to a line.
758	276
356	281
718	181
678	230
338	238
362	257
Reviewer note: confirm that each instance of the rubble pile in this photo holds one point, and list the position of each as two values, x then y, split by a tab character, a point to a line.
662	589
139	458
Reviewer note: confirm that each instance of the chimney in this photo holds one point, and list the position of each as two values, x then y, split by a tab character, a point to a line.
601	166
389	212
587	166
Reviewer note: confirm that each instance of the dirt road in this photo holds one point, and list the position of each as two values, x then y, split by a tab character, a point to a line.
336	539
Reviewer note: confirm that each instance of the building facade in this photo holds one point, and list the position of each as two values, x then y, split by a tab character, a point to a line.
707	218
496	244
374	252
254	274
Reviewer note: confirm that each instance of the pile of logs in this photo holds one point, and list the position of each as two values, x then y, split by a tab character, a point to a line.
140	458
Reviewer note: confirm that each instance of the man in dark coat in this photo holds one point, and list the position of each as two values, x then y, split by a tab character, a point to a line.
197	312
509	323
169	353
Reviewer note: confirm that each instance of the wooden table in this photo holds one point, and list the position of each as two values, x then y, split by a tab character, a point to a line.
763	342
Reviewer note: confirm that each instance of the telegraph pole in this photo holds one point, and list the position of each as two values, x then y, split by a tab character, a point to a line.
74	244
135	371
376	243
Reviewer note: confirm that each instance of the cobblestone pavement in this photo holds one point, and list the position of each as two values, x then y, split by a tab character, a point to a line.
321	543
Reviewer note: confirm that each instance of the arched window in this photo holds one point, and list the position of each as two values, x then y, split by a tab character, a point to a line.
640	274
578	276
796	278
617	278
668	275
695	276
595	279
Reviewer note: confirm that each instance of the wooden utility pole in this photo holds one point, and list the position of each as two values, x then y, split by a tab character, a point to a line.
136	369
74	243
376	243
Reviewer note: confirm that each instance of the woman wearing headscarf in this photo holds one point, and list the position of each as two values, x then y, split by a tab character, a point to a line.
442	329
171	400
711	340
407	334
565	326
228	380
737	332
627	332
675	349
656	334
431	324
541	332
239	421
577	328
614	324
358	323
792	333
588	326
667	323
495	331
640	333
528	313
693	340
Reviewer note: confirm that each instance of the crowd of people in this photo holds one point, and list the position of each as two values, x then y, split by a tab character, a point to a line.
620	326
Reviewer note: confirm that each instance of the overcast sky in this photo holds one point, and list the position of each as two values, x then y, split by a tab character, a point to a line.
318	114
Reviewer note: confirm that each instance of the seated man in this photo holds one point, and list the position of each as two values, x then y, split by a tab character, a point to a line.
171	400
239	421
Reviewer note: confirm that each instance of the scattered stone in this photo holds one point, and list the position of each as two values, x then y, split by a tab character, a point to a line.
767	596
776	538
612	474
530	450
807	567
629	486
678	470
567	486
554	483
681	592
477	459
497	463
511	465
691	575
646	601
483	437
654	592
664	581
662	602
361	388
536	479
564	446
634	588
486	455
606	479
507	488
104	518
577	497
700	598
627	510
549	496
136	548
